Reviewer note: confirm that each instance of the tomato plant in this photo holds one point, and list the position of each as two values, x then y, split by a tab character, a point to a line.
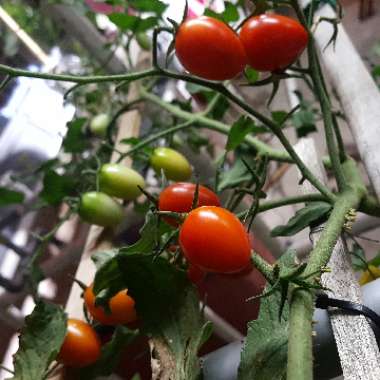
229	131
272	42
100	209
210	49
174	165
214	239
122	308
99	124
178	197
120	181
81	346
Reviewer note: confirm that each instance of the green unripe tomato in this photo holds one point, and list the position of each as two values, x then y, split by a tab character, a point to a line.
100	209
174	164
144	41
99	124
119	181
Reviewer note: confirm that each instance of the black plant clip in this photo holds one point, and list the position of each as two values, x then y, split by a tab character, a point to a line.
324	301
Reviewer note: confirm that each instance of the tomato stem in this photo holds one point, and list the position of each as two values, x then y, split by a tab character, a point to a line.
300	363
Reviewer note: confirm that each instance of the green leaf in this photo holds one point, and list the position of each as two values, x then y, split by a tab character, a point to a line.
154	6
375	261
56	187
108	269
376	71
304	122
359	261
110	355
169	308
279	117
10	197
234	176
241	128
264	355
75	140
133	23
40	341
311	213
230	13
251	74
101	257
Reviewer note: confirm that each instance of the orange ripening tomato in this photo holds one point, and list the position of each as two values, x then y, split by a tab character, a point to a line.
272	42
81	346
179	198
215	240
122	308
210	49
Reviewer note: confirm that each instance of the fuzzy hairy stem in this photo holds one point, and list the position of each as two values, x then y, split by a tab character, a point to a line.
300	363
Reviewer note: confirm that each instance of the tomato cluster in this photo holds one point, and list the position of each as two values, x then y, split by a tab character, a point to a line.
202	228
119	181
82	345
210	49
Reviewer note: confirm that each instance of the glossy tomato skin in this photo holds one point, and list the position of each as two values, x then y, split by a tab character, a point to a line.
210	49
178	197
272	42
122	308
81	346
120	181
215	240
174	165
100	209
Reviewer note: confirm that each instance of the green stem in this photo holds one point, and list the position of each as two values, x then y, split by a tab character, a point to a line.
263	267
12	72
276	129
286	201
212	124
300	363
324	100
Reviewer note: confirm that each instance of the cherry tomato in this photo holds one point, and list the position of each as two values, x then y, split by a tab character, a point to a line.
210	49
100	209
122	308
272	42
81	346
120	181
195	274
174	164
215	240
99	124
179	198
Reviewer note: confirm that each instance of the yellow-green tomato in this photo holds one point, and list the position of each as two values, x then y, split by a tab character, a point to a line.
99	124
174	165
100	209
119	181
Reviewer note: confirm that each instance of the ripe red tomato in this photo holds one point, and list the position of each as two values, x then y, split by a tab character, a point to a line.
210	49
81	346
195	274
272	42
122	308
215	240
179	198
